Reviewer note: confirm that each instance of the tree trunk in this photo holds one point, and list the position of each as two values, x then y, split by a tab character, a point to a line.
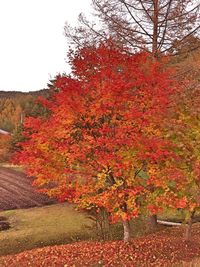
153	221
155	30
188	231
126	226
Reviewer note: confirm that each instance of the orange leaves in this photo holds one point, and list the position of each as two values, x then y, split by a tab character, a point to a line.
181	203
154	209
103	129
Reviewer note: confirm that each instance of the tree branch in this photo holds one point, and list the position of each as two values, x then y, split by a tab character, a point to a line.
165	27
136	21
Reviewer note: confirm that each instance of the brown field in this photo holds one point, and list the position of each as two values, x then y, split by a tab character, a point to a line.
17	192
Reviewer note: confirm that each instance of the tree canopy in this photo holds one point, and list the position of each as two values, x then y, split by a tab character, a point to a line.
104	143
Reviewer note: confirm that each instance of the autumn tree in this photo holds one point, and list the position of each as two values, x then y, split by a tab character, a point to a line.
183	129
4	147
156	26
103	129
187	64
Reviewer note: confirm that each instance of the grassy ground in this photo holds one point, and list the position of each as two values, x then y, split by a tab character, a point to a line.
12	166
61	224
53	225
38	227
165	248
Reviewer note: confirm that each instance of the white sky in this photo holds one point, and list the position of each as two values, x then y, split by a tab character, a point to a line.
32	42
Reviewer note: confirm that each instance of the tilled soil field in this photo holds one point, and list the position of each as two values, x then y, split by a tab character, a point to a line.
16	191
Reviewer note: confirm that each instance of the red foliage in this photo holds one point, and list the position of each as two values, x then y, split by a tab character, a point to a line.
104	128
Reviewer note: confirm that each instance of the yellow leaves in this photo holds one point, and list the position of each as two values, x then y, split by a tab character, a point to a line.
101	179
118	183
192	206
43	146
129	155
152	130
101	176
130	203
153	170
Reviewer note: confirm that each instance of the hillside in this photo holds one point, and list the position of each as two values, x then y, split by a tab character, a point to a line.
14	106
17	191
17	94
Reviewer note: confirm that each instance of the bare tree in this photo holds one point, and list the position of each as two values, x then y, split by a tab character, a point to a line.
157	26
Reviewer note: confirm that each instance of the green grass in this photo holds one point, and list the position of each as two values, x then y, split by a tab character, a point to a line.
56	224
38	227
53	225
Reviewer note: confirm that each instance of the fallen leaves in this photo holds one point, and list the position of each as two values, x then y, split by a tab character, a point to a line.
159	249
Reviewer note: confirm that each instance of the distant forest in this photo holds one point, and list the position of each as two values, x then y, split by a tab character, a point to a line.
14	106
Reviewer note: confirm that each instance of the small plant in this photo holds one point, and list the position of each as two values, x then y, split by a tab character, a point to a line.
4	224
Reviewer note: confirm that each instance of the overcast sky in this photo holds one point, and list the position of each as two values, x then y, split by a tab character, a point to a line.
32	42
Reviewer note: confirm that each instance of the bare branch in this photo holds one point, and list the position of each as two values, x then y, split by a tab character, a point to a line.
166	22
157	24
137	22
181	41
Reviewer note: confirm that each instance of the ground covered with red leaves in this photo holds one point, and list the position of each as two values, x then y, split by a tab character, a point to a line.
163	248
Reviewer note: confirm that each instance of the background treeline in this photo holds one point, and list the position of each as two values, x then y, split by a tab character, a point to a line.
14	106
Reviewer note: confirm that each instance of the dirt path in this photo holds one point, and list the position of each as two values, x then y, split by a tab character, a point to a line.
17	192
